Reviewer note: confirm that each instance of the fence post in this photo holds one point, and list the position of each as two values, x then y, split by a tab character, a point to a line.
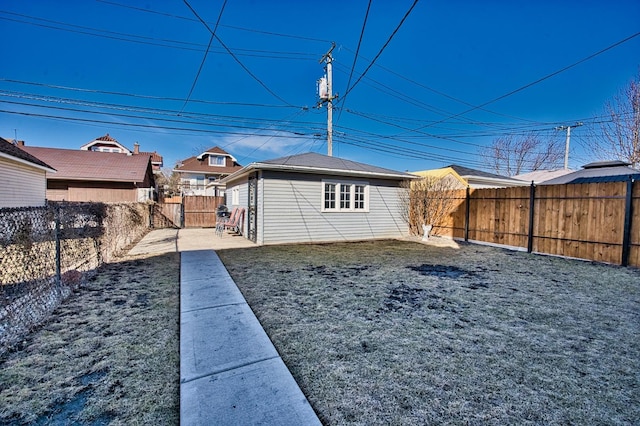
532	198
626	235
56	213
466	215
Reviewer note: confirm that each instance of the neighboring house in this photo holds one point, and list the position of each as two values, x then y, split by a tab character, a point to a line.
542	176
96	176
23	177
602	171
315	198
451	179
201	175
108	144
479	179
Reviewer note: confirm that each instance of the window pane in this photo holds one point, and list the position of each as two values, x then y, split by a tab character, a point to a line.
359	197
329	195
216	160
345	196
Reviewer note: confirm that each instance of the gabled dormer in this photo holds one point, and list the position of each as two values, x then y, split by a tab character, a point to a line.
106	144
217	157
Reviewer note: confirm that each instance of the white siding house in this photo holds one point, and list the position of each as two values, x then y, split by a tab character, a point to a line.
315	198
23	179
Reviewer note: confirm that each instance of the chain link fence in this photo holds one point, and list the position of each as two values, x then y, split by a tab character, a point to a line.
47	252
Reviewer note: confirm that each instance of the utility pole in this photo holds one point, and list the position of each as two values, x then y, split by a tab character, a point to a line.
566	145
324	91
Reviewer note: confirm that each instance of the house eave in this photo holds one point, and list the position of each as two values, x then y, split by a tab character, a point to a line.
200	172
27	163
314	170
204	154
94	179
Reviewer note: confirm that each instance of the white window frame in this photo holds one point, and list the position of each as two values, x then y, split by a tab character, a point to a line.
338	201
214	164
235	196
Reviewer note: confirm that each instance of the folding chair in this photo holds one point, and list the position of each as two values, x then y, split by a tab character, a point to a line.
222	221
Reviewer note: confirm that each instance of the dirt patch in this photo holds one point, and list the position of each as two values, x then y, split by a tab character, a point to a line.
442	271
393	332
108	355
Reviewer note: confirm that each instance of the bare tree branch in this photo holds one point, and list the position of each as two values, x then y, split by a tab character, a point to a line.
510	156
620	138
428	201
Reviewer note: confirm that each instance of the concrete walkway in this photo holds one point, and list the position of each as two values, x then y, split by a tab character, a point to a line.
230	372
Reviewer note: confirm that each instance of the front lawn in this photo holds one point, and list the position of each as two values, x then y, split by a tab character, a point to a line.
393	332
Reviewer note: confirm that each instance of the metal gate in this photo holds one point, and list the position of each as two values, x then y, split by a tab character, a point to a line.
252	207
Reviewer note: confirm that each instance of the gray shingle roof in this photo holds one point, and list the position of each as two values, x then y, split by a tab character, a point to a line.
314	163
320	161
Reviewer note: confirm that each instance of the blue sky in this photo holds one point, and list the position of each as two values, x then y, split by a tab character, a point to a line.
76	70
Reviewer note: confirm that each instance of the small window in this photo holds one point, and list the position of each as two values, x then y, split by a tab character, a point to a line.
235	196
216	160
358	200
353	196
345	196
329	196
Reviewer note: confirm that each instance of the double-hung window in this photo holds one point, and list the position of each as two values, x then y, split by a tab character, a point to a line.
329	195
216	160
345	196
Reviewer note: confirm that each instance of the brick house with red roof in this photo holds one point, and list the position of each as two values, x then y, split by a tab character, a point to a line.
86	175
201	175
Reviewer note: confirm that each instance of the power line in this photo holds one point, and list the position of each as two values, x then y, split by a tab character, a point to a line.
206	52
390	71
546	77
145	126
213	34
221	121
250	73
152	41
355	58
133	95
384	46
224	26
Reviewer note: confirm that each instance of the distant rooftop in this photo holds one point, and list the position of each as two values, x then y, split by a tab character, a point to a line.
601	171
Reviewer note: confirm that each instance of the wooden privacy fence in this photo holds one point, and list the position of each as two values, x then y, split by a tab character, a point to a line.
193	211
594	221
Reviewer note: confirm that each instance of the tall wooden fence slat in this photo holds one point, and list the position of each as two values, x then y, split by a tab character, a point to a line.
200	211
585	221
634	249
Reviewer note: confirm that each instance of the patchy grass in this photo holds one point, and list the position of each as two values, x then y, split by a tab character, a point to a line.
402	333
108	355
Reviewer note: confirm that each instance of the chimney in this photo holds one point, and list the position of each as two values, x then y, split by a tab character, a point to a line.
19	143
136	148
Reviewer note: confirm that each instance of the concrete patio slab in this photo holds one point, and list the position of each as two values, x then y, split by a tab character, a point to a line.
206	239
157	241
